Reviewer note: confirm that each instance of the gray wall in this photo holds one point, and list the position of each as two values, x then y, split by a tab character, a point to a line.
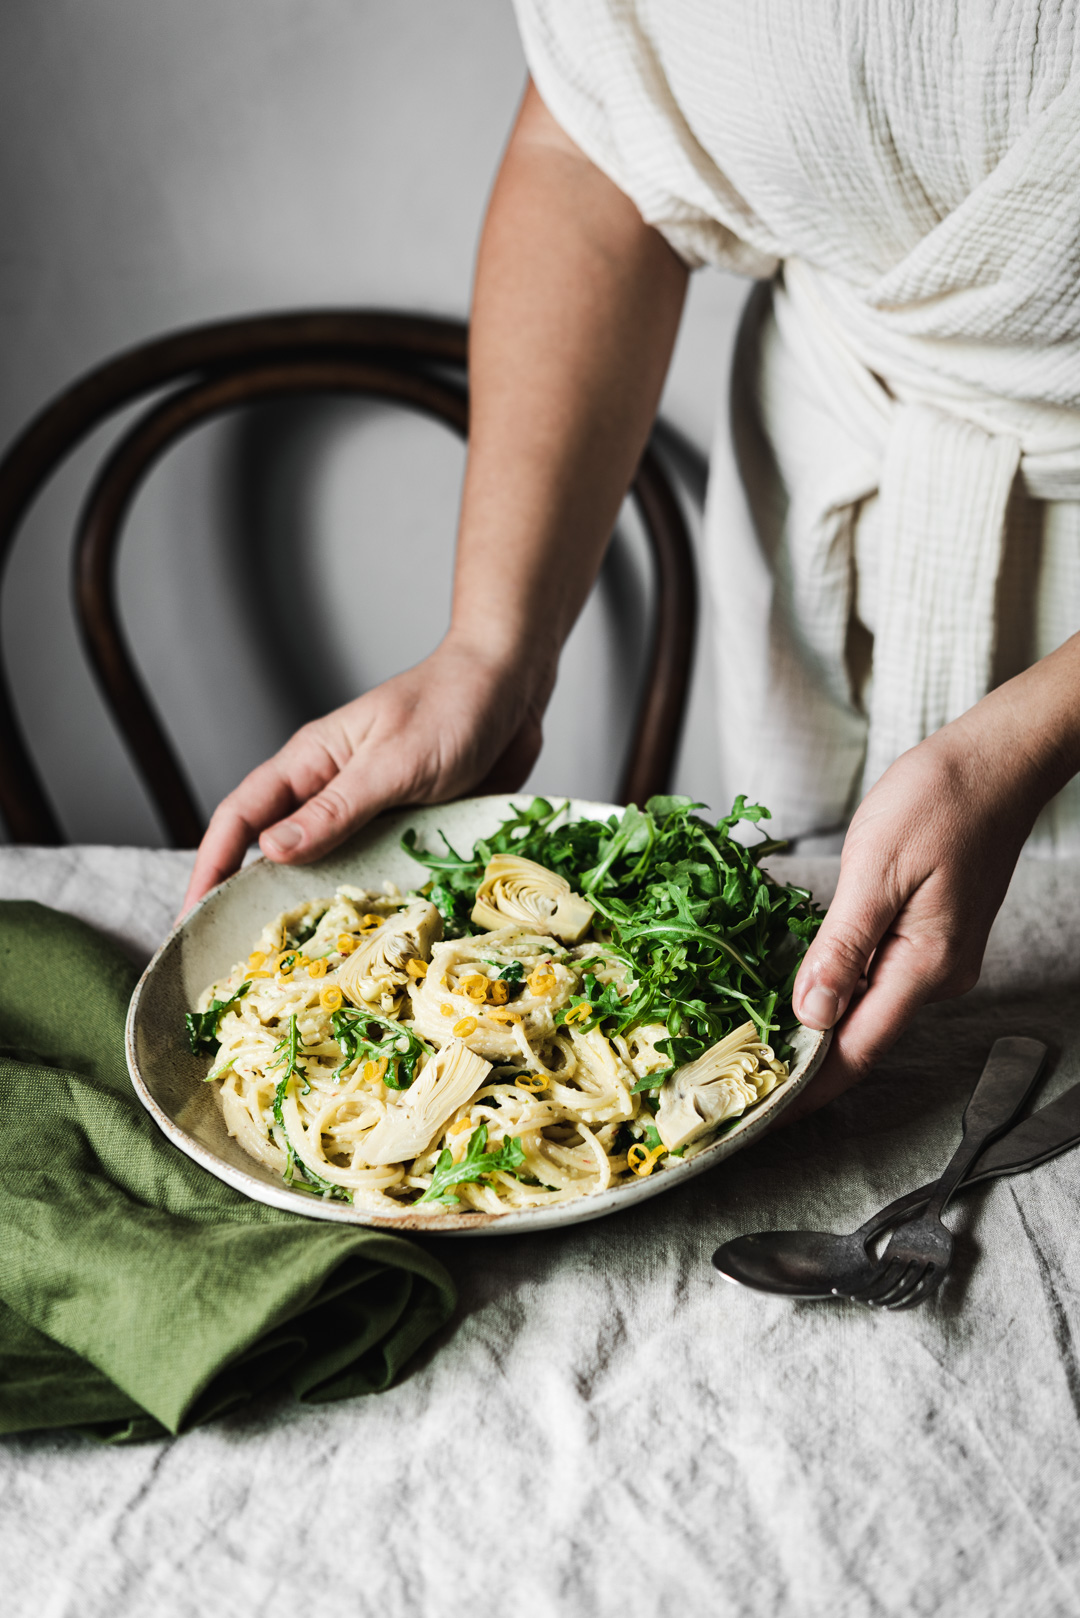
171	161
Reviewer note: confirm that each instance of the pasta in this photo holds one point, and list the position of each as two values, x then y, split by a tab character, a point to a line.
369	1050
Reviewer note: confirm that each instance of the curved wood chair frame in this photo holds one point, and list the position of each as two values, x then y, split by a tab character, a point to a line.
211	370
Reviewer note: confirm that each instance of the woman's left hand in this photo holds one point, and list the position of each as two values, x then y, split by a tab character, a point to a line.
926	864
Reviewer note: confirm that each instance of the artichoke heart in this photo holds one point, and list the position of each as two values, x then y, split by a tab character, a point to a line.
417	1117
405	937
732	1075
519	890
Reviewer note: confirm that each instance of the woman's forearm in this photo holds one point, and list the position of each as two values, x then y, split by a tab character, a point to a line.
575	311
1027	731
576	307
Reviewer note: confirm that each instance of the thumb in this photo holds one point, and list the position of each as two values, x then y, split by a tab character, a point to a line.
840	954
345	803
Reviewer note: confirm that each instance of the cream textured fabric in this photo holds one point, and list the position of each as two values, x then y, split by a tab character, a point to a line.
907	402
681	1448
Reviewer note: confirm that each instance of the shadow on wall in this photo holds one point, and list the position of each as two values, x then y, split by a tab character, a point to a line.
339	521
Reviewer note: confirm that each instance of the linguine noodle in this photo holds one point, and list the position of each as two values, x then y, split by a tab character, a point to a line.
500	1040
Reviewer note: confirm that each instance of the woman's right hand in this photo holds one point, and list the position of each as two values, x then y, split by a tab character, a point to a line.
576	307
460	721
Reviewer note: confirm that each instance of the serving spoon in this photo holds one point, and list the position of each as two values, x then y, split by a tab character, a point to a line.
818	1263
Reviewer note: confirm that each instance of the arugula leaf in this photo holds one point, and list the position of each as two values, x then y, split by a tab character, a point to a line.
309	1180
476	1163
307	928
652	1081
605	1004
453	892
202	1026
707	938
401	1047
289	1046
661	805
512	972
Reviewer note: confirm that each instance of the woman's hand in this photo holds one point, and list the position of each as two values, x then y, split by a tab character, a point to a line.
575	312
456	723
926	864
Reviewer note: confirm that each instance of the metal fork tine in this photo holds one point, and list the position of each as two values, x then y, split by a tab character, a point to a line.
910	1276
908	1283
926	1284
885	1280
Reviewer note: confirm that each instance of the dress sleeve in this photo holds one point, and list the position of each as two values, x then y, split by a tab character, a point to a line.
601	77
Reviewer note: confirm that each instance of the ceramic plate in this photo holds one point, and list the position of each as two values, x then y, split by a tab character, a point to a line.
219	932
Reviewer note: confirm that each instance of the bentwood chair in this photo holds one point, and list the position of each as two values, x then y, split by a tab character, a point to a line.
207	371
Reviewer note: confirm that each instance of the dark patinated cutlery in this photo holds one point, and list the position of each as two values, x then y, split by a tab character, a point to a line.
920	1250
821	1264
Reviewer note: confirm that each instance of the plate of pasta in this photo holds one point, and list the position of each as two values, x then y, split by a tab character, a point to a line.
492	1015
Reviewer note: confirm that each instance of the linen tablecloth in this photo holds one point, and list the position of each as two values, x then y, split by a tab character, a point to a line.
607	1425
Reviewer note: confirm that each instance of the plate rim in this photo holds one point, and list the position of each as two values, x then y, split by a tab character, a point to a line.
516	1221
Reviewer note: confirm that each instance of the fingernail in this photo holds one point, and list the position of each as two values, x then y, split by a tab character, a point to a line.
819	1007
283	838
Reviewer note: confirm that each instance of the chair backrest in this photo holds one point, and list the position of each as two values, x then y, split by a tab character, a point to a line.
207	371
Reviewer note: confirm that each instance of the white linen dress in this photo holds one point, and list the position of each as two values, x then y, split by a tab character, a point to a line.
896	527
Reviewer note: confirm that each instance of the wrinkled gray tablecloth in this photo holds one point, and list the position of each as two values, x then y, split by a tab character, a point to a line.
609	1427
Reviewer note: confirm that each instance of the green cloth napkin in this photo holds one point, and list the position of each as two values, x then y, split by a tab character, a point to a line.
138	1294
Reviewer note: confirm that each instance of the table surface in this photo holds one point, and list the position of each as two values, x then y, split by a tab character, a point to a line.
607	1425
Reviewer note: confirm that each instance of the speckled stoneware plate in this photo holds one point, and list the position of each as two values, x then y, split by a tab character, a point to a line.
219	932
